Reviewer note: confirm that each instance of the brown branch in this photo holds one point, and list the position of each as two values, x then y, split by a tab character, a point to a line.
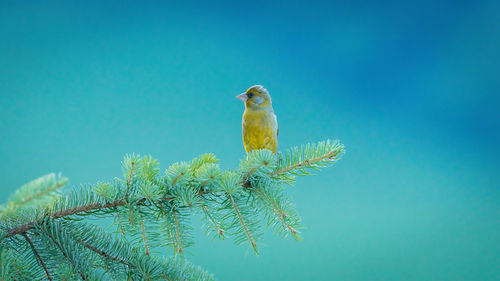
144	237
37	256
48	190
103	253
177	178
120	223
64	254
130	218
168	226
307	162
244	181
251	172
219	230
279	213
64	213
167	223
252	241
129	180
177	230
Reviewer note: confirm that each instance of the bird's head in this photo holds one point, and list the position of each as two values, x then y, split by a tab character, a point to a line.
256	97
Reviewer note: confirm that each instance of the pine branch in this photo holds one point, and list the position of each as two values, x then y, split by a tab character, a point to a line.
64	213
129	161
231	201
177	231
246	181
36	194
220	231
329	155
280	214
138	265
329	151
250	238
35	252
177	178
122	230
103	253
167	223
144	238
65	254
40	194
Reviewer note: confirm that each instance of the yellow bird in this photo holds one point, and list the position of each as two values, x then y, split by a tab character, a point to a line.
259	124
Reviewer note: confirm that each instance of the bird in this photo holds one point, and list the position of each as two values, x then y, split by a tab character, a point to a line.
259	123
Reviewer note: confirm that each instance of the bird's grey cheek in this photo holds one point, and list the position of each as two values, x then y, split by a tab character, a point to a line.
258	100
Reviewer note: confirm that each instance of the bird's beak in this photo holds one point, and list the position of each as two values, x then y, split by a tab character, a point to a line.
242	97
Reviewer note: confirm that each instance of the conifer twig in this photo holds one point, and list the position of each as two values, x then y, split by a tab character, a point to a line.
129	180
64	254
164	213
35	252
145	193
177	178
144	237
121	202
306	163
42	193
279	213
177	231
103	253
252	241
64	213
244	182
219	229
122	231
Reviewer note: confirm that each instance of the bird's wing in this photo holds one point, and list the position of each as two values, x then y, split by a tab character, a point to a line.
276	122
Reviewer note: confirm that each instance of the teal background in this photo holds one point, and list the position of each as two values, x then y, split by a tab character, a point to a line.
411	88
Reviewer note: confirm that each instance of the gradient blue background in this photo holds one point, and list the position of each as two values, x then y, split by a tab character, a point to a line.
411	88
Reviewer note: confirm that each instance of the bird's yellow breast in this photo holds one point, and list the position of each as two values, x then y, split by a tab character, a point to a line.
260	130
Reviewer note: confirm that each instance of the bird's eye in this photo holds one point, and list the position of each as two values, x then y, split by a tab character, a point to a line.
250	95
